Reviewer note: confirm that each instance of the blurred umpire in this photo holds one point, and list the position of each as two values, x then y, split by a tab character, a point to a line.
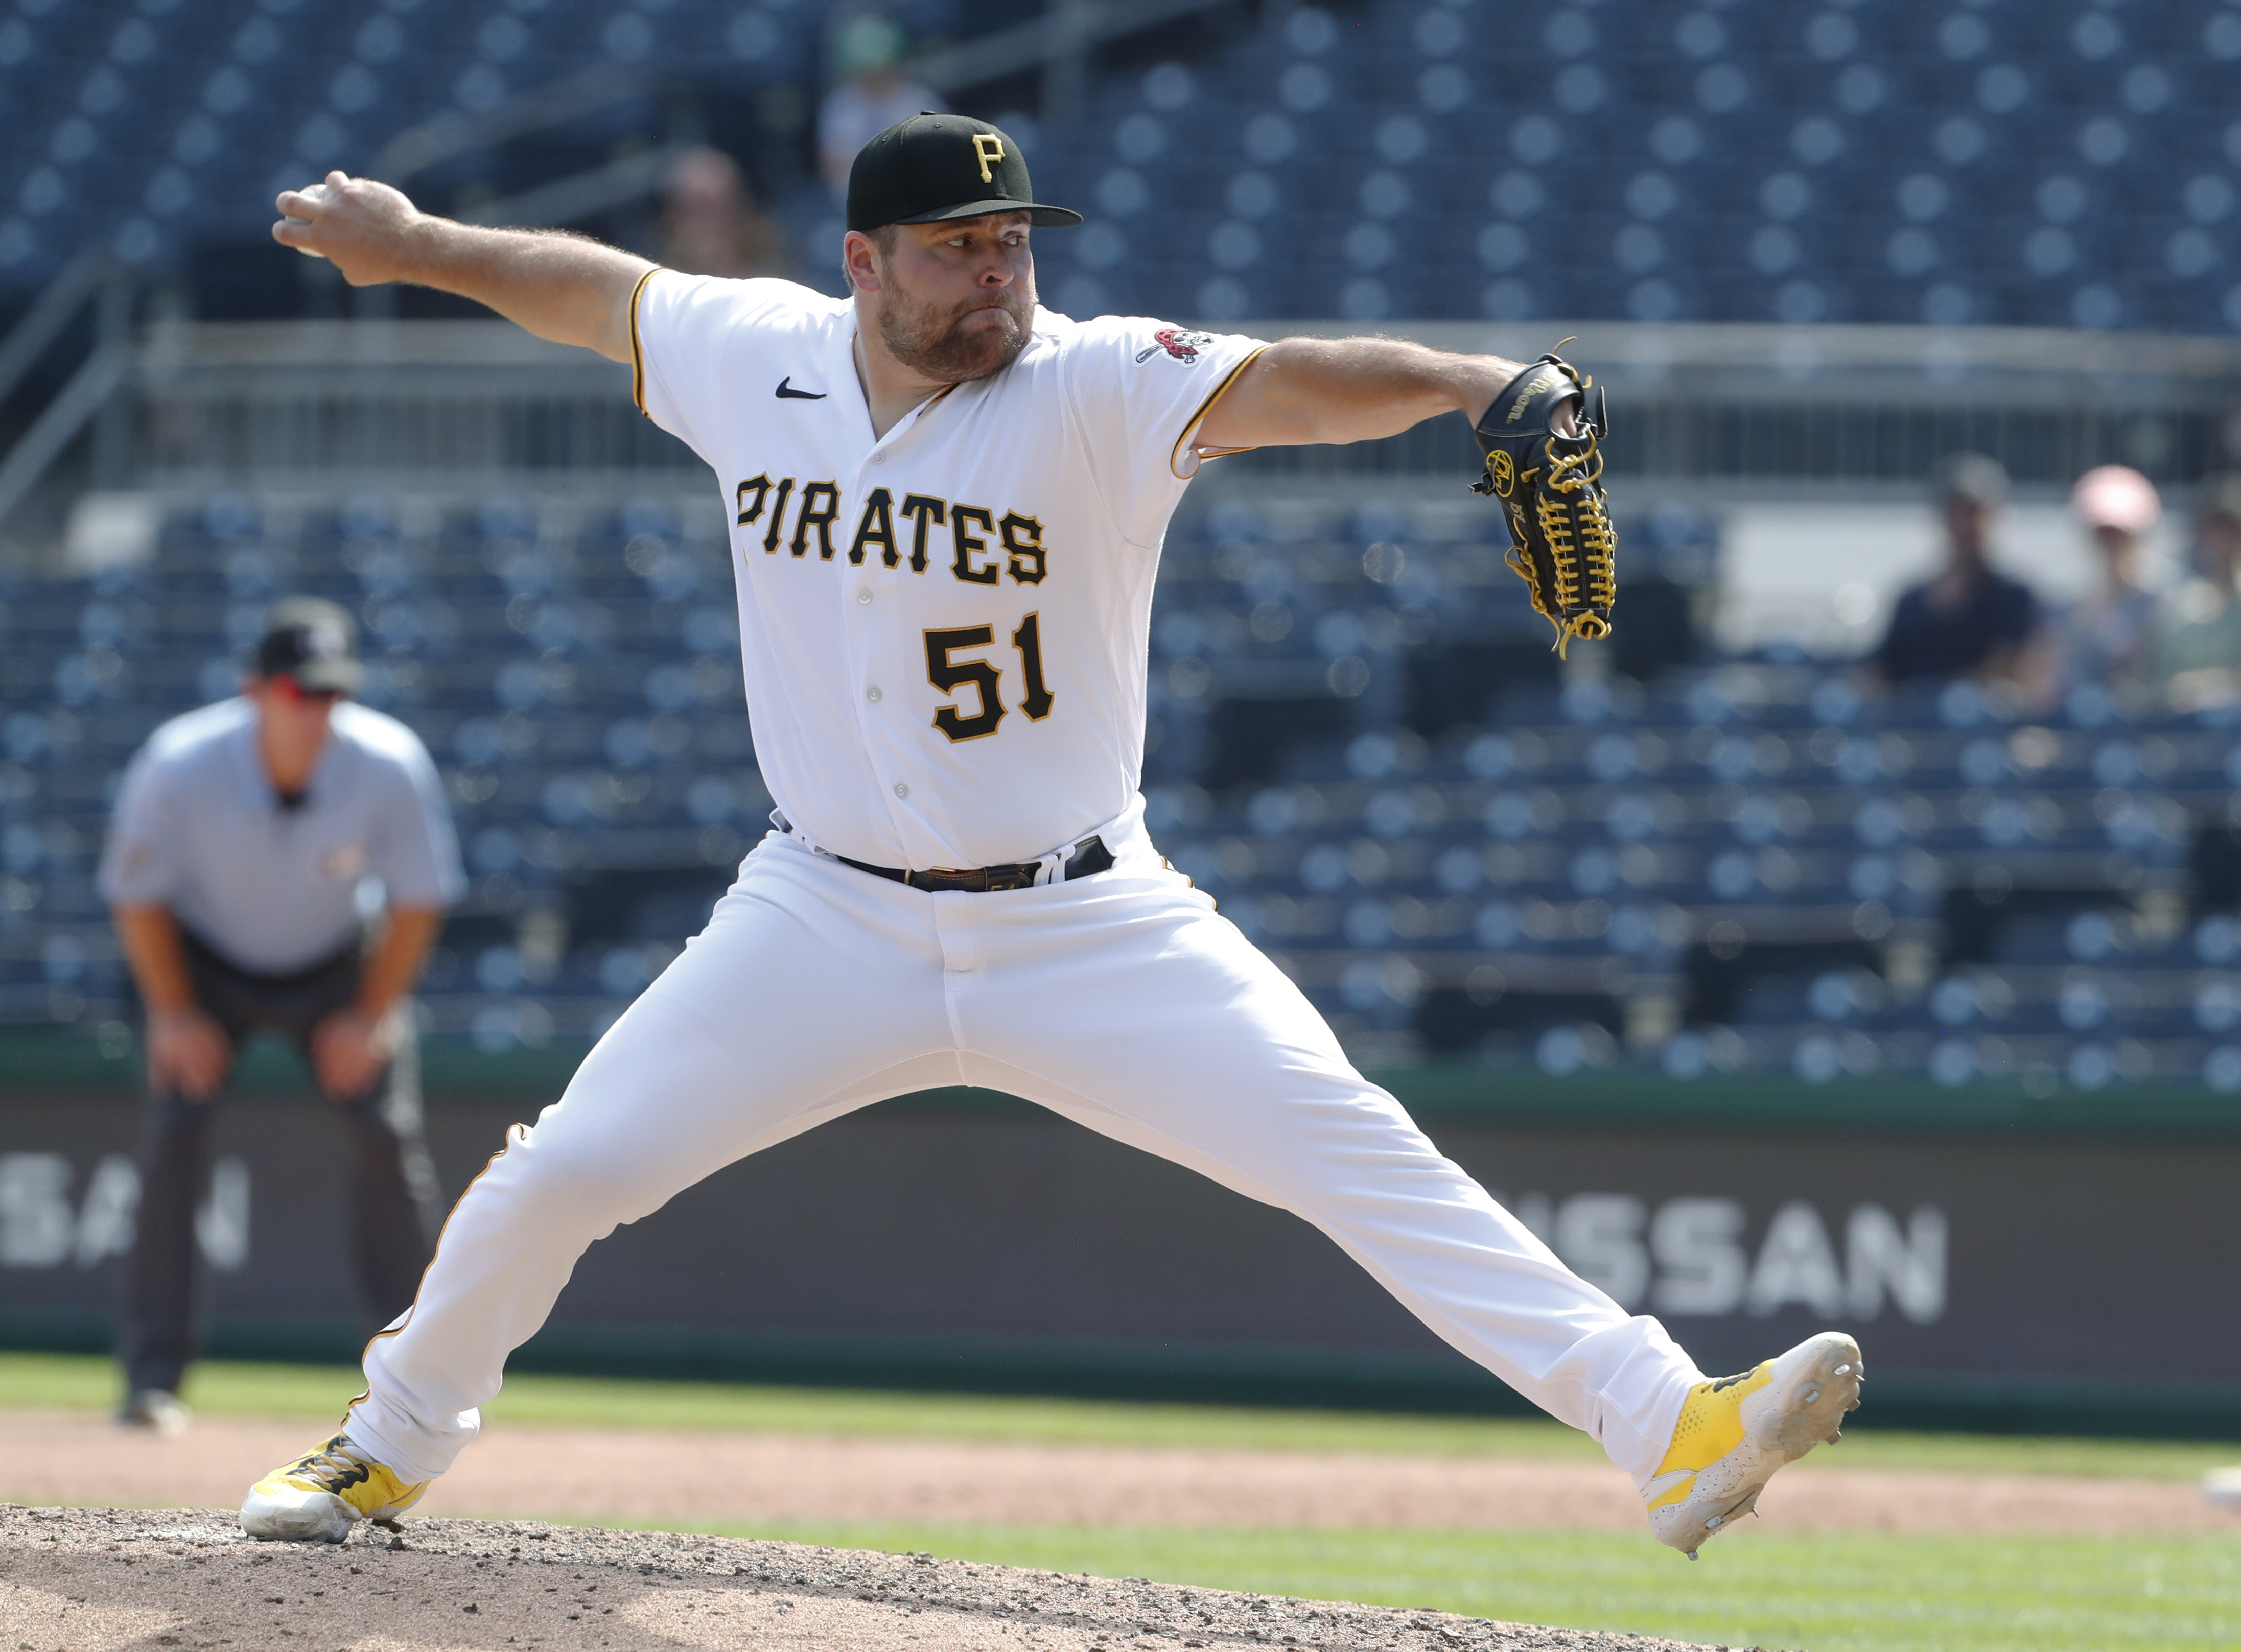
237	871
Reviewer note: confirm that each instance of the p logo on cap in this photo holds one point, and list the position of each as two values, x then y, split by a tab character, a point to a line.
929	168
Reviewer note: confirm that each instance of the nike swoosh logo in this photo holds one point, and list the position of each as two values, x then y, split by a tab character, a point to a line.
787	392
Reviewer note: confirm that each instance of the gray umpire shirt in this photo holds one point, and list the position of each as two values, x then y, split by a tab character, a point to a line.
200	829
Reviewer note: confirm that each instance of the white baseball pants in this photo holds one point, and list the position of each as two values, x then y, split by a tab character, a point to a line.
1121	1001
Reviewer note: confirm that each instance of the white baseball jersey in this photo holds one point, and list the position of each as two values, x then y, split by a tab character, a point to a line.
944	631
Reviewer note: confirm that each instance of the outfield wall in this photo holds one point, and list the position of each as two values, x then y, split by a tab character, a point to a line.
2007	1262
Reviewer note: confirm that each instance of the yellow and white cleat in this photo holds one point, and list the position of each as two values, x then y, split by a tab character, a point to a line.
319	1497
1735	1431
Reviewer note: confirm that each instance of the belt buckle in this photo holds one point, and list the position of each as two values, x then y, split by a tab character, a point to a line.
977	880
981	880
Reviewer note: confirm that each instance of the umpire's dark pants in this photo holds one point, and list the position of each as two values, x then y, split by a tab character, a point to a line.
393	1208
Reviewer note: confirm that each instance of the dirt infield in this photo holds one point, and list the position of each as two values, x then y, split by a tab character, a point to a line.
103	1581
519	1472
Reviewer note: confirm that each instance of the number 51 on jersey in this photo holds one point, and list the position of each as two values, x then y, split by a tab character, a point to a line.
949	673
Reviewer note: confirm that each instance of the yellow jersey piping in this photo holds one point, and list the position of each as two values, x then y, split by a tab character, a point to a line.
1199	418
637	353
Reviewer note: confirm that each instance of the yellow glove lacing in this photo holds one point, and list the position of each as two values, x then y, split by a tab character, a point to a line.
1569	504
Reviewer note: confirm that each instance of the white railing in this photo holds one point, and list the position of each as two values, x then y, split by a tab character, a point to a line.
1849	407
1746	411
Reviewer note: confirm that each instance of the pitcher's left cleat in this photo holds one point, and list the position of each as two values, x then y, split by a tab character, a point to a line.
319	1497
1735	1431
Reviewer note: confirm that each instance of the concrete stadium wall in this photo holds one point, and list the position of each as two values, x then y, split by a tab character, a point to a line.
2029	1275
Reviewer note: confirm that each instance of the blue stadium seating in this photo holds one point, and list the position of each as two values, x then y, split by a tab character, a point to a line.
2059	165
1749	866
1902	162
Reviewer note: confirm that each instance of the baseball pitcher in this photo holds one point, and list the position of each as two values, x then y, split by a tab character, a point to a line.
946	508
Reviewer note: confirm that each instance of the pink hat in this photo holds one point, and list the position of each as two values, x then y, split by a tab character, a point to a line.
2115	496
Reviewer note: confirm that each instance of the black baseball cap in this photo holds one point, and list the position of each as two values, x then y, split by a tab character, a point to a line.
932	168
311	640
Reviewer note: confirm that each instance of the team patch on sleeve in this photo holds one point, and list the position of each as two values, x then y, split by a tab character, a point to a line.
1177	342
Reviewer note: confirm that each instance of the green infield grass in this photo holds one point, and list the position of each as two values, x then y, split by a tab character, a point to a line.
222	1389
1851	1593
1854	1593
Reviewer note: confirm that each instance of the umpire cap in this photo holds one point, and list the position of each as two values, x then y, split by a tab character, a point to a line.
311	640
932	168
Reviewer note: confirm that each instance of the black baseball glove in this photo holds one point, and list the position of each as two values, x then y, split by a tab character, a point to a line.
1561	539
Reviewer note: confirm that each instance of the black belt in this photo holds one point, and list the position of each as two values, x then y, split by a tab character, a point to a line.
1090	857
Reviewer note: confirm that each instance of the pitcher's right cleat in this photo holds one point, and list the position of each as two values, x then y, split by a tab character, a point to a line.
1734	1433
319	1497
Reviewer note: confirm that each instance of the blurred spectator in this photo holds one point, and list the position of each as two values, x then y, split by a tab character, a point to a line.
1661	595
1970	620
868	97
711	223
2196	654
2103	636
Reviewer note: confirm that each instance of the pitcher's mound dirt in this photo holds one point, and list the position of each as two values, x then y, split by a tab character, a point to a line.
536	1474
79	1580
